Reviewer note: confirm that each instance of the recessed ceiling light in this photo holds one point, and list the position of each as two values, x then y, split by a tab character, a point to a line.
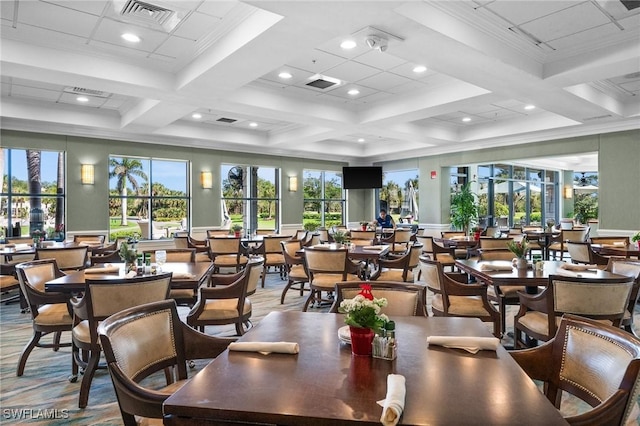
466	119
82	99
253	124
348	44
530	107
285	75
196	115
353	92
130	37
419	68
361	140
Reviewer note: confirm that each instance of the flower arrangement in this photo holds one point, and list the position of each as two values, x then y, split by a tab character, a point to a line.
38	234
340	236
126	254
636	237
519	248
237	228
363	311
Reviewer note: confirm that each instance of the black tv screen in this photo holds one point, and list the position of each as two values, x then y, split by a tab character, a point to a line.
362	177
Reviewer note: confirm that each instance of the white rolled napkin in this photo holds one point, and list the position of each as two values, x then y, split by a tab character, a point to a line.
496	266
266	347
131	274
393	404
470	344
373	248
577	267
106	269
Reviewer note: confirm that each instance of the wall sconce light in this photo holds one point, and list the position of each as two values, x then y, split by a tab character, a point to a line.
206	180
293	183
86	174
568	192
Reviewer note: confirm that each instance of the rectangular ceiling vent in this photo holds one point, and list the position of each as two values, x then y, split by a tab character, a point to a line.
226	120
147	14
630	4
88	92
321	83
599	117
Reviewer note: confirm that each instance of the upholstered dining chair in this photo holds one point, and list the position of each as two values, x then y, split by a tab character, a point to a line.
427	245
452	297
490	243
226	252
50	312
559	243
101	299
363	238
271	250
622	240
604	299
145	340
296	271
89	239
399	241
581	252
628	268
403	299
399	269
597	363
187	255
105	257
67	258
326	267
225	300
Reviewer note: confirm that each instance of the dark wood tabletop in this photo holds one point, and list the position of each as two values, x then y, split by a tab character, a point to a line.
528	277
325	385
358	252
628	250
75	281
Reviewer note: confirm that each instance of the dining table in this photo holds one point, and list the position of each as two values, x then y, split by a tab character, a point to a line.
324	384
624	250
368	254
186	275
544	238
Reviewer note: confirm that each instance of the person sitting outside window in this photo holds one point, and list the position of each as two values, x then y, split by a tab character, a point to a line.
385	220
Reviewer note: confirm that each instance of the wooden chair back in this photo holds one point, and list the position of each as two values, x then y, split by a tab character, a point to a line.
67	258
402	299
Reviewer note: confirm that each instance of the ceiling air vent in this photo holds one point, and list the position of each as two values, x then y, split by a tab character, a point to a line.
321	83
151	15
88	92
226	120
630	4
599	117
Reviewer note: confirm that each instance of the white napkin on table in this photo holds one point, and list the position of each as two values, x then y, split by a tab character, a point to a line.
373	248
577	267
393	404
183	276
470	344
106	269
131	274
266	347
502	266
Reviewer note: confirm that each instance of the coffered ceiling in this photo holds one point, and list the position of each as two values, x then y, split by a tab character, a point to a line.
209	73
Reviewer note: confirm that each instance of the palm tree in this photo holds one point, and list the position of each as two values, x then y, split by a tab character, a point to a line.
59	192
35	180
126	171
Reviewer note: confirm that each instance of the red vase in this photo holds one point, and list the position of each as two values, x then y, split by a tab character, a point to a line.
236	234
361	339
364	227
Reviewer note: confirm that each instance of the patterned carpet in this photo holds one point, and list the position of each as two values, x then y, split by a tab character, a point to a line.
43	395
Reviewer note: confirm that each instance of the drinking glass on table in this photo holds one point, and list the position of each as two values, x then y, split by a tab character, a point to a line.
161	258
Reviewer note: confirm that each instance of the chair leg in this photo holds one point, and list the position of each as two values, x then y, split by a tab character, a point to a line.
312	297
264	274
85	386
27	351
56	340
239	328
284	291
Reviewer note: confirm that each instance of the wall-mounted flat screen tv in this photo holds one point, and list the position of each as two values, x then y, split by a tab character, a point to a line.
362	177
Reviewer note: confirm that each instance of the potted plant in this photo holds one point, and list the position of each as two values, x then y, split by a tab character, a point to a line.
363	318
128	256
363	225
340	237
236	230
519	249
477	231
464	208
636	238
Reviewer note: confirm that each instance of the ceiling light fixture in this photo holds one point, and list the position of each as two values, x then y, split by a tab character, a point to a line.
419	69
253	124
196	115
529	107
376	42
466	119
348	44
353	92
285	75
360	139
131	38
82	99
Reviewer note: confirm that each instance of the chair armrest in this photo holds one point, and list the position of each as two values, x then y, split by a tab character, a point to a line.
224	279
610	411
455	288
536	302
395	263
535	361
79	307
223	292
458	276
202	346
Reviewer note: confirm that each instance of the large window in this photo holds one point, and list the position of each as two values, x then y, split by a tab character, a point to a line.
148	197
399	195
33	192
323	199
250	196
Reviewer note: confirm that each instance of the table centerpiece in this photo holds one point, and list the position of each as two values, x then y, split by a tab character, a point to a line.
519	249
364	318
